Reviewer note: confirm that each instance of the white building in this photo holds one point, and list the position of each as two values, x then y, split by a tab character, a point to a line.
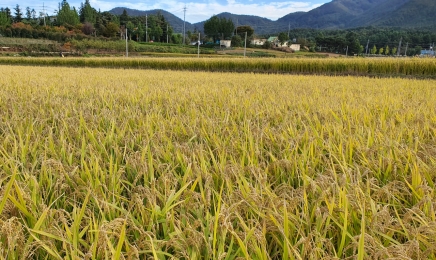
257	41
226	43
275	42
295	47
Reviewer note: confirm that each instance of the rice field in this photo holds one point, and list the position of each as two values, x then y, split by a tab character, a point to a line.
378	67
145	164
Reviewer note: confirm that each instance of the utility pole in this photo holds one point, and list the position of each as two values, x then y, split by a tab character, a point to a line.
146	27
245	45
237	21
346	53
405	53
399	47
198	43
184	21
43	11
367	46
127	46
167	33
289	29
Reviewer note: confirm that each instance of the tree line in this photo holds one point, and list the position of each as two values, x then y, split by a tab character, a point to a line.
86	22
374	40
365	40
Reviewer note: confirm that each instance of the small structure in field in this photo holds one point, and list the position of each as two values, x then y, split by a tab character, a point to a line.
295	47
274	40
225	43
427	53
257	41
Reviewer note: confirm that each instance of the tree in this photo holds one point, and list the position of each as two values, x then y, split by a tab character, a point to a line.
352	42
244	28
192	36
176	38
219	28
374	50
418	50
237	41
18	14
155	31
4	20
387	51
111	30
124	18
87	13
226	27
130	29
394	51
212	27
331	43
283	38
33	14
139	32
28	14
166	28
99	27
380	51
66	15
361	48
8	13
88	28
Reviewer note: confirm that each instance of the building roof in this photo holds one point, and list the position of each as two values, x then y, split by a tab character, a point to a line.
272	38
427	52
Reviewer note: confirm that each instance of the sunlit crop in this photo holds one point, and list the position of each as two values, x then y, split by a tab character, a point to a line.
105	163
385	67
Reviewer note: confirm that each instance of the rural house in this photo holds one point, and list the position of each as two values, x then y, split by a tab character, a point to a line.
225	43
257	41
275	42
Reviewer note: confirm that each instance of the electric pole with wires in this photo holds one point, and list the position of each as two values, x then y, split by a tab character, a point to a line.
367	46
184	21
399	47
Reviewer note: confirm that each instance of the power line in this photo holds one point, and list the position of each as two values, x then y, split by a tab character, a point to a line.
399	47
43	12
289	29
367	46
184	21
146	27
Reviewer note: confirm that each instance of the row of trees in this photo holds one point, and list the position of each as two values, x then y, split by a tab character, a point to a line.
412	40
86	21
221	28
339	44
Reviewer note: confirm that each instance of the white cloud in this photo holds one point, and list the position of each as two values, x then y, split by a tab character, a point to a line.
200	11
273	10
197	11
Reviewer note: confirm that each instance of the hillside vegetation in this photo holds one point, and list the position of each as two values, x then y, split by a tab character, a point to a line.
337	14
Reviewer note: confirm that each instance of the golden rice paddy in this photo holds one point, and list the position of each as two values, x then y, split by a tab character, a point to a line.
139	164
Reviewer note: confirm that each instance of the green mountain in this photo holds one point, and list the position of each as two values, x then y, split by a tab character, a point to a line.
410	14
337	14
357	13
259	24
175	21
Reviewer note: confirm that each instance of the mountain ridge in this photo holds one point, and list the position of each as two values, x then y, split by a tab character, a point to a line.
337	14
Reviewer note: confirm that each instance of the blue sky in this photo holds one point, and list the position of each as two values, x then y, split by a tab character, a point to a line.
197	10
